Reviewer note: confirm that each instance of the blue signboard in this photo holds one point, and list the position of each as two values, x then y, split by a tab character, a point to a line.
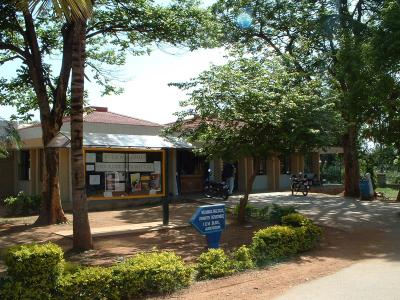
209	220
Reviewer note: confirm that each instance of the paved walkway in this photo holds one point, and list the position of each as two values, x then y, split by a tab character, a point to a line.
335	211
367	279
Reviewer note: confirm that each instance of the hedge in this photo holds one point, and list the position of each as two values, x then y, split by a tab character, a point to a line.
33	271
40	272
154	272
274	243
214	264
88	283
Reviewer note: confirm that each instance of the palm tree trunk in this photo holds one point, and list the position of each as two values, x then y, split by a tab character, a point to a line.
82	237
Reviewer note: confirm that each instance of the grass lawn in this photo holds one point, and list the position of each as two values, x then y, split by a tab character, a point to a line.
388	192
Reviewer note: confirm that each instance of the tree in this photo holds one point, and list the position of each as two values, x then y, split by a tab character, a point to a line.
82	237
250	108
383	125
8	137
325	39
115	29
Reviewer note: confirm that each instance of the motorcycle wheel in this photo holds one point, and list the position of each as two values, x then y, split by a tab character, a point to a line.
305	190
208	191
225	195
293	187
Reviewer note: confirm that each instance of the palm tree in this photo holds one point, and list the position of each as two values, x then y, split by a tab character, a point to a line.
76	12
82	238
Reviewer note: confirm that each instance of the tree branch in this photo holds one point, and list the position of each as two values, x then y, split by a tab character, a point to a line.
116	28
280	53
11	58
13	48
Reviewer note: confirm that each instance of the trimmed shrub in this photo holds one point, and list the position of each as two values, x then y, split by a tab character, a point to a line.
154	272
23	204
295	220
250	210
33	271
88	283
308	236
214	264
277	212
274	243
242	258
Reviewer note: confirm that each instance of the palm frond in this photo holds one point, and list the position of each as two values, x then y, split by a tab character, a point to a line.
70	9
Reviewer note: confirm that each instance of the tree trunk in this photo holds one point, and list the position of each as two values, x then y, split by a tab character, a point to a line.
51	211
351	164
249	187
398	196
82	237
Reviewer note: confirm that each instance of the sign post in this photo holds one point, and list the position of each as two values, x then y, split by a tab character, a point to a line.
209	220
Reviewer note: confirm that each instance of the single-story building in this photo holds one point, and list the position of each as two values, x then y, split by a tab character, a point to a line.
128	161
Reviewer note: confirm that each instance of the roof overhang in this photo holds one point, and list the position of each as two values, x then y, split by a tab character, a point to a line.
106	140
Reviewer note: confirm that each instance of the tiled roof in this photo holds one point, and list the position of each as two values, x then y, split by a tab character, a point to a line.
114	118
102	115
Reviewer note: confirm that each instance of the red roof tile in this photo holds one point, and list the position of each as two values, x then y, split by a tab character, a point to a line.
103	116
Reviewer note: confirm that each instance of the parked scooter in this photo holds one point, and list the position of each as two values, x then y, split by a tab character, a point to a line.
214	189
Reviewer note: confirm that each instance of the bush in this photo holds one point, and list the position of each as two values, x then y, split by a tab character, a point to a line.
243	259
250	210
274	243
33	270
214	264
270	214
308	236
23	204
277	212
295	220
155	272
88	283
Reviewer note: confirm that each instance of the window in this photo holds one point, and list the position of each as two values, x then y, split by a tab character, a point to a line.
262	166
284	161
124	174
24	165
308	163
190	164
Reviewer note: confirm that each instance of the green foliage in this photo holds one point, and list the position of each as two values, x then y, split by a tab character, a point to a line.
243	259
148	273
295	220
115	29
8	137
274	243
277	212
270	213
250	210
33	271
214	264
23	204
251	107
88	283
308	236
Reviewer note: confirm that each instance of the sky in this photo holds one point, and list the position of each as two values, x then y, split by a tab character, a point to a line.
145	81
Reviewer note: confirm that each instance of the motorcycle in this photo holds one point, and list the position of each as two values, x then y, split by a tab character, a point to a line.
213	189
300	184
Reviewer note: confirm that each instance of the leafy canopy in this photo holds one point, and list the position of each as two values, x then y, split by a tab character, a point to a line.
251	107
115	30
